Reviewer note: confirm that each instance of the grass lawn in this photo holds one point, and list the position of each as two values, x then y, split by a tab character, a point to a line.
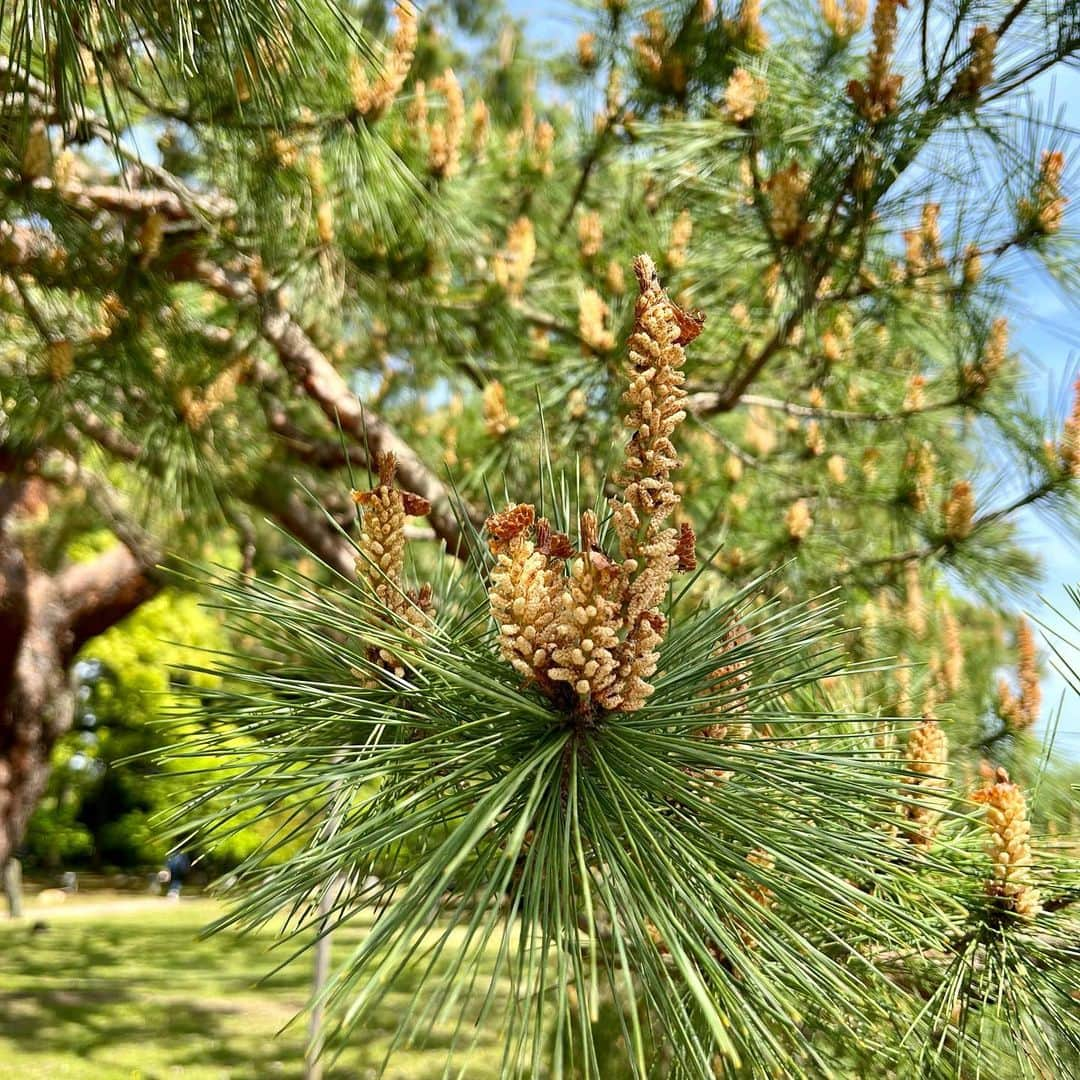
123	988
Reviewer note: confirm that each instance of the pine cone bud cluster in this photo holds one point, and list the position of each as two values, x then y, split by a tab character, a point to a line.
958	511
372	99
798	521
381	561
746	28
580	624
787	189
682	229
1009	847
742	95
980	71
590	230
877	97
1021	711
445	135
1069	447
498	420
512	265
844	18
978	378
593	313
926	757
1045	211
658	61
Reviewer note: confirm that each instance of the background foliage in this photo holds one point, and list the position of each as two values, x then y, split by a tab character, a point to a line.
106	788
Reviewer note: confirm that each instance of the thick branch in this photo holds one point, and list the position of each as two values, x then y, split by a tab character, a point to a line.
325	385
319	453
13	608
98	594
24	248
93	427
707	402
108	503
296	515
139	201
15	466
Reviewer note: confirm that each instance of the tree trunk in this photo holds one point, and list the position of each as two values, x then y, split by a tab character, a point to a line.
12	874
313	1069
36	703
313	1066
44	620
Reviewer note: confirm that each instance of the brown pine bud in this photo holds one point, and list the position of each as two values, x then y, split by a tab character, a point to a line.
1045	211
685	548
980	70
586	51
742	95
590	234
371	100
878	96
1009	846
797	520
958	510
927	757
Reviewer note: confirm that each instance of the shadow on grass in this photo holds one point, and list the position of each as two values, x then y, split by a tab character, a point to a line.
139	994
145	988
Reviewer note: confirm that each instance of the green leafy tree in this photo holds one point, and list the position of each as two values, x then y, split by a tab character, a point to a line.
724	824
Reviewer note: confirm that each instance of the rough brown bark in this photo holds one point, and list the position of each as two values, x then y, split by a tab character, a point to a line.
296	515
44	619
311	370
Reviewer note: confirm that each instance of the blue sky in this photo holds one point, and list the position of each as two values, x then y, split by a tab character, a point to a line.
1045	329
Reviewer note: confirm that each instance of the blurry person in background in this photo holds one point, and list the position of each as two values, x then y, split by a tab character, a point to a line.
177	866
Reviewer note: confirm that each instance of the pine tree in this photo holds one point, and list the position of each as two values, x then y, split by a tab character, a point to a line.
653	655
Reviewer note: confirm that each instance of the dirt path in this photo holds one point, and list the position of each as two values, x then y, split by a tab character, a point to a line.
103	906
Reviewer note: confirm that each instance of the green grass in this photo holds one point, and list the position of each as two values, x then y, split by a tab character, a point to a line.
126	990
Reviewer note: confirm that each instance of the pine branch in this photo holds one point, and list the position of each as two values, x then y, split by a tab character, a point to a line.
141	201
705	403
934	549
95	595
543	321
872	288
588	165
317	452
29	250
324	384
61	468
245	530
729	397
321	381
1057	903
1012	15
86	421
301	518
276	496
81	123
34	314
265	43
